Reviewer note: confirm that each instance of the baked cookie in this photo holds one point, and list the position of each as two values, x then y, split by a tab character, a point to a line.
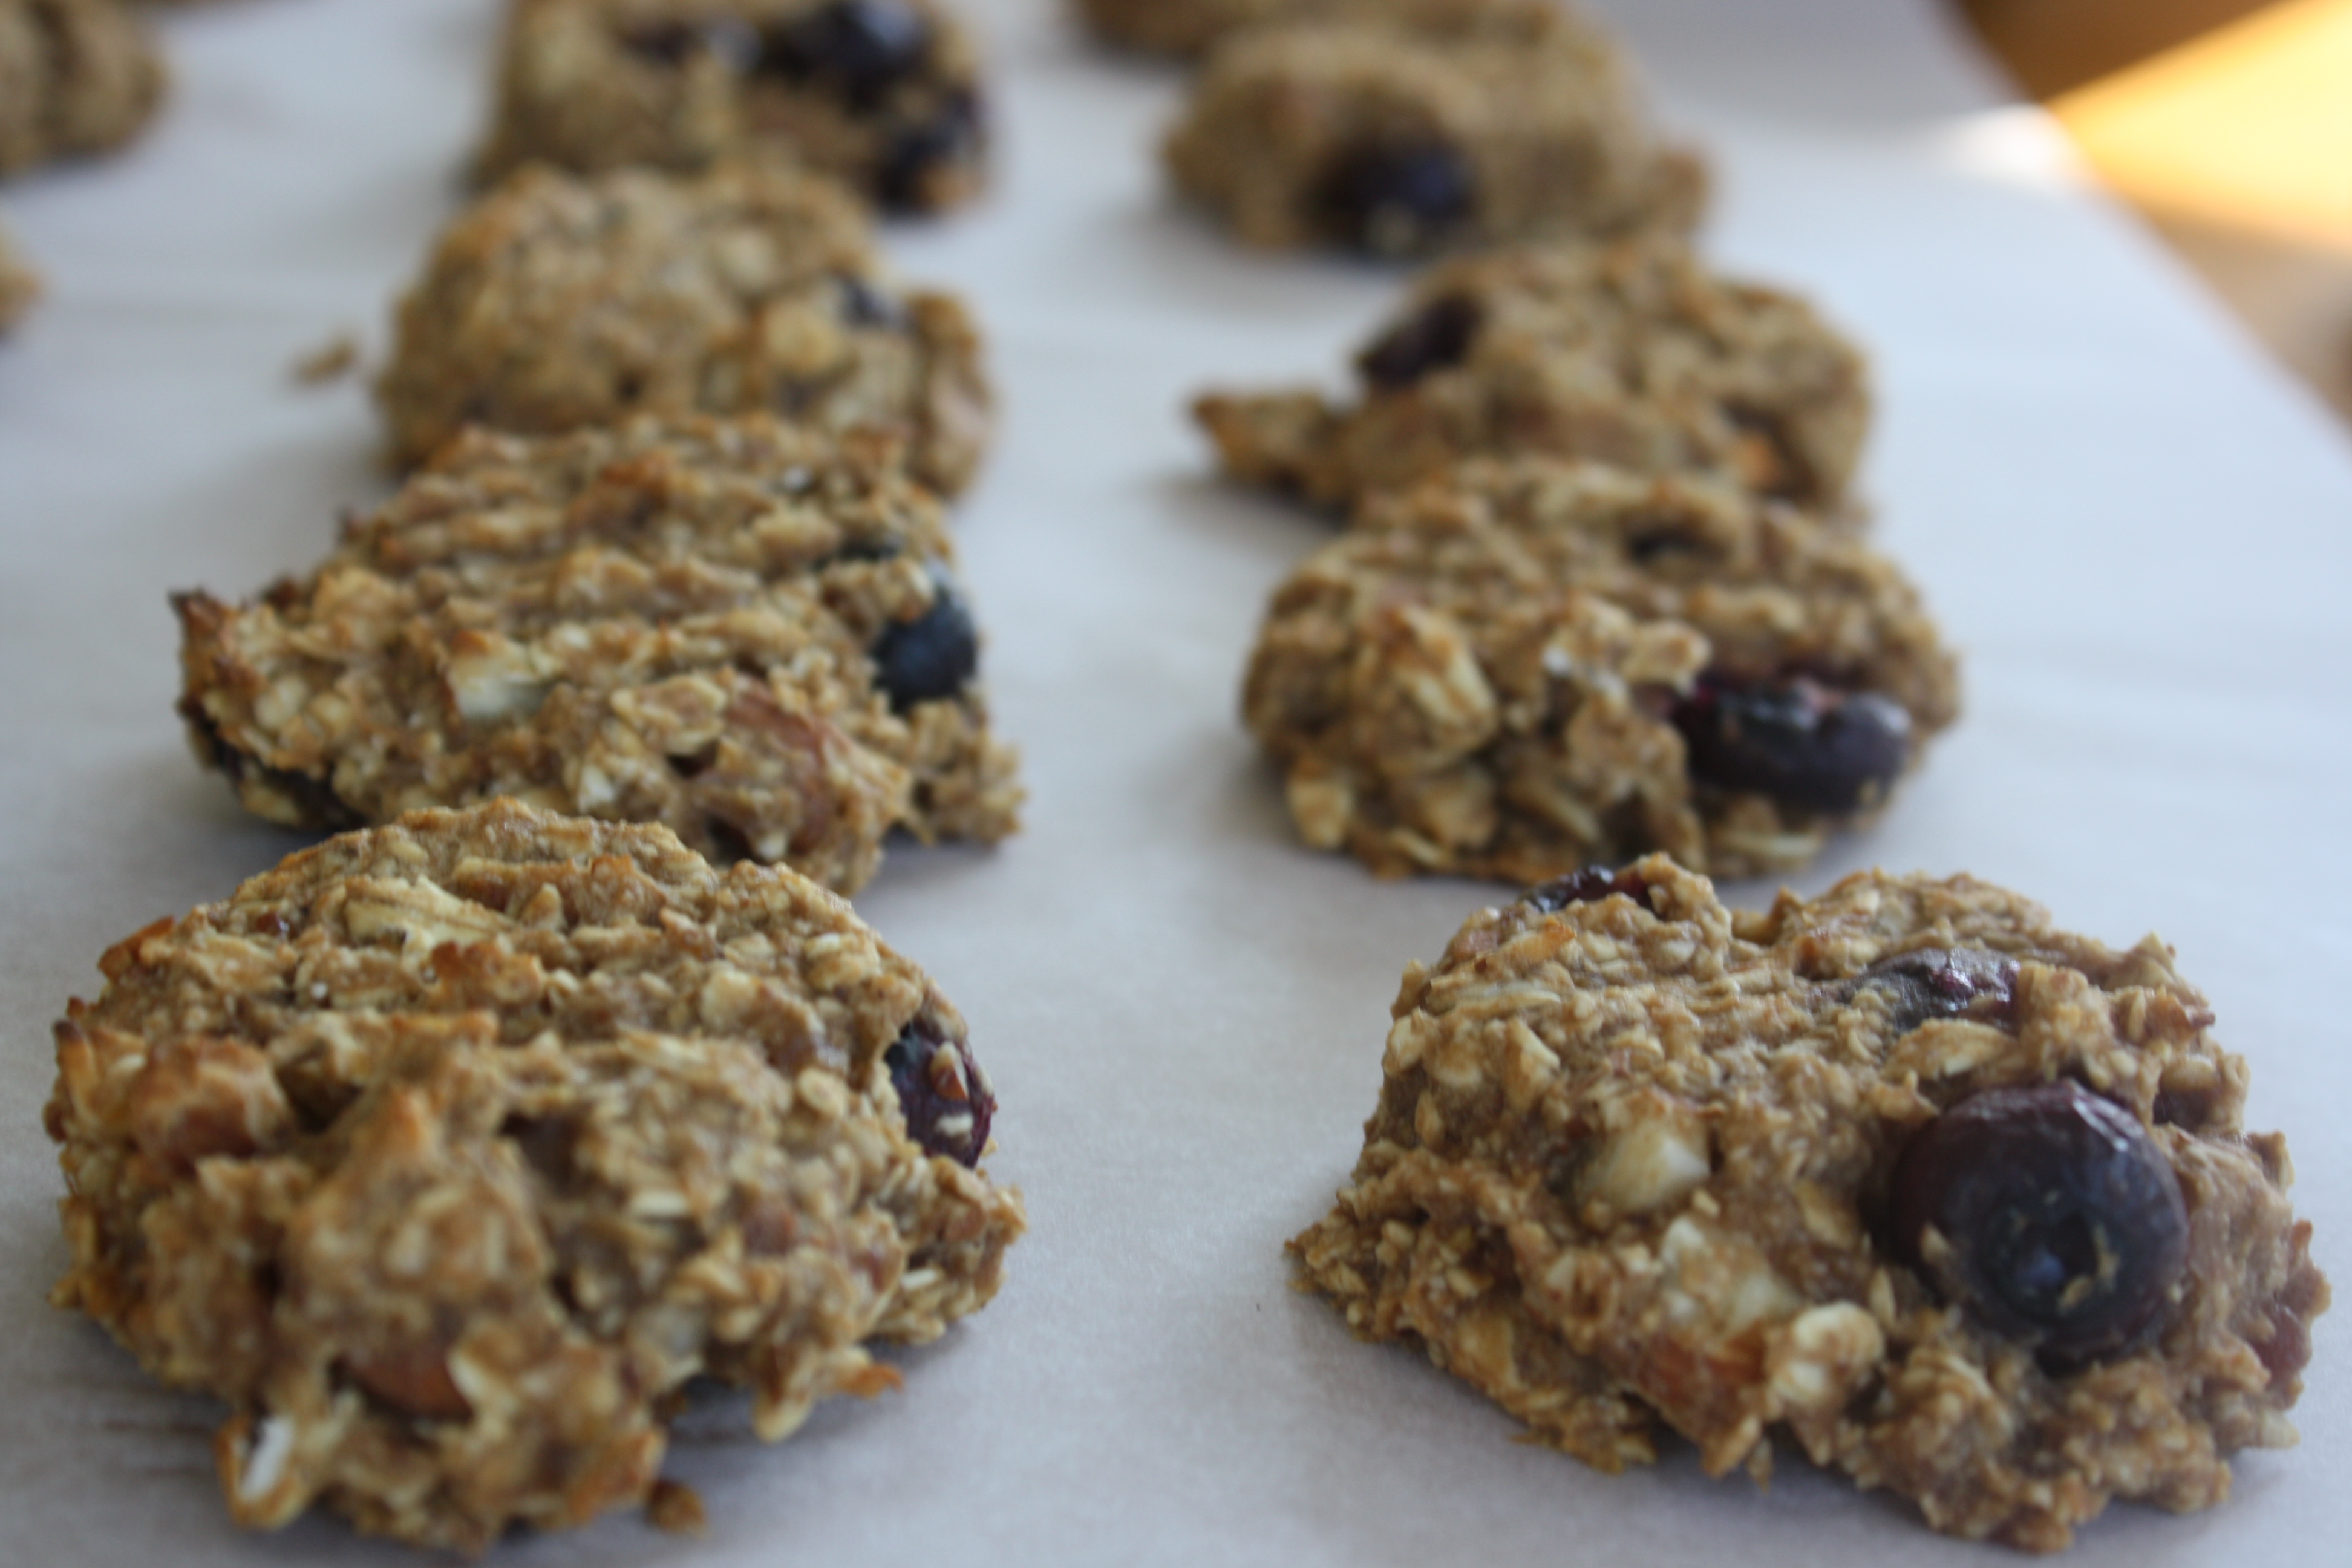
1428	127
76	77
740	630
557	302
1631	353
883	94
19	284
1959	1201
449	1153
1530	666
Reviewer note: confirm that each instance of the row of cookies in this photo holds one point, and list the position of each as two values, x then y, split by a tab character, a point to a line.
1882	1171
706	372
453	1151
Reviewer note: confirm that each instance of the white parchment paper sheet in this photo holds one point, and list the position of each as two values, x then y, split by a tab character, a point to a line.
2141	534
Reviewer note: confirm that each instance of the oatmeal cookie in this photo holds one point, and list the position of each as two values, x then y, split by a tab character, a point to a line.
76	77
557	302
1631	353
1530	666
1402	134
19	285
741	629
1960	1202
883	94
449	1153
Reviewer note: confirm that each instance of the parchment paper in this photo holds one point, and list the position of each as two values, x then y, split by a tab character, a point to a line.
2139	531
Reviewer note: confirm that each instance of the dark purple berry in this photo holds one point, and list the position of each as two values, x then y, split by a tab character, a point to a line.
1801	745
863	49
943	1093
952	135
314	799
932	657
1588	886
1434	338
864	305
1942	983
1396	199
2056	1218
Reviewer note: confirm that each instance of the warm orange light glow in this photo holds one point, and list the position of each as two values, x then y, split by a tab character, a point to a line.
2251	125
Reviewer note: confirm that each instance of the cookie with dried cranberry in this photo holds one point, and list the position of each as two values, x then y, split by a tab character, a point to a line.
1528	666
76	76
558	302
448	1154
883	95
19	285
1429	128
1633	353
1957	1202
744	630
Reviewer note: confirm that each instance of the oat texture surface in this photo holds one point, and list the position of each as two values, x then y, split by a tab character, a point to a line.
1633	353
557	302
447	1152
1631	1172
742	630
1524	667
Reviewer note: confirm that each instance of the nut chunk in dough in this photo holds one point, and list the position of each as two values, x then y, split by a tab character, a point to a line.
449	1153
1633	353
556	302
741	629
1958	1202
882	94
1532	666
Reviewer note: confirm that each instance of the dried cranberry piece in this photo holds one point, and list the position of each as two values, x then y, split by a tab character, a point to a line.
952	135
1588	886
945	1095
931	657
1434	338
863	47
1942	983
2061	1221
1396	198
1801	744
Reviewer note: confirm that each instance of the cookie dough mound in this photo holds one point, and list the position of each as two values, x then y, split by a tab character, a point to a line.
1642	1163
446	1153
19	285
882	94
1530	666
557	302
76	77
1459	126
741	629
1632	354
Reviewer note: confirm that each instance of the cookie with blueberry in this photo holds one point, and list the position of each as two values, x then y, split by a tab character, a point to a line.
884	95
1633	354
743	630
1454	126
76	76
450	1154
1530	666
1903	1178
558	302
